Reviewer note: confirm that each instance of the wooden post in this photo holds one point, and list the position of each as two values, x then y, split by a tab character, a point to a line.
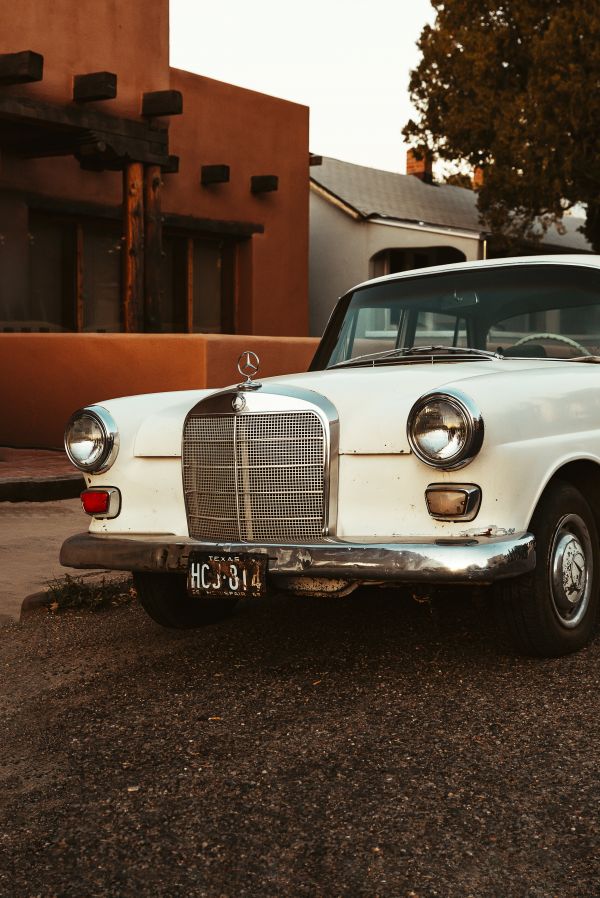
152	247
133	247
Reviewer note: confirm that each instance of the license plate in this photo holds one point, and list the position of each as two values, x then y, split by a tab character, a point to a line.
227	575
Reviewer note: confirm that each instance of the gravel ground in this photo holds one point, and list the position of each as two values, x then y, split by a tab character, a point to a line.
366	746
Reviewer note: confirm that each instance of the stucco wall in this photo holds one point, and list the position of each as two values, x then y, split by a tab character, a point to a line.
254	134
341	248
338	258
45	377
130	39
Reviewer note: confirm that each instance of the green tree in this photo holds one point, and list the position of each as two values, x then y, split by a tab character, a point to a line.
513	86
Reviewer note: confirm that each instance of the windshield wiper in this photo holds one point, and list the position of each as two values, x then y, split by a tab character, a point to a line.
407	351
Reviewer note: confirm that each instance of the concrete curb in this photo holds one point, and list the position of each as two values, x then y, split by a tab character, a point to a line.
46	489
37	601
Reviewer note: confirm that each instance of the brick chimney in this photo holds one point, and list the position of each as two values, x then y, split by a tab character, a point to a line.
478	177
421	168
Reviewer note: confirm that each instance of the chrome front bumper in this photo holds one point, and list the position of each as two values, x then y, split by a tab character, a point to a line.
476	560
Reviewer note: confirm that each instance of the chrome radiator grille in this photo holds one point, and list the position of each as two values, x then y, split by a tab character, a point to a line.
255	477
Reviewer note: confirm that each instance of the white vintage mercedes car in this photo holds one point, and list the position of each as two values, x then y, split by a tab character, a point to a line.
448	432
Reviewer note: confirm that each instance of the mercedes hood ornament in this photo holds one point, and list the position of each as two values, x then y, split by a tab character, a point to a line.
248	366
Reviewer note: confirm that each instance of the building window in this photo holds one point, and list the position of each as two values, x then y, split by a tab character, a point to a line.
63	272
208	287
389	261
171	313
100	272
198	284
73	275
50	298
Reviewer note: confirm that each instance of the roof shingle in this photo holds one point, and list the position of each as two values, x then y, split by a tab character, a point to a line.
376	193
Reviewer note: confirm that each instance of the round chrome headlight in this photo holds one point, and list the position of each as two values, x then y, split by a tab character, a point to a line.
92	439
445	430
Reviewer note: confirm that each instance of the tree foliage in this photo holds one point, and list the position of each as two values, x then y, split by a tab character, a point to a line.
513	86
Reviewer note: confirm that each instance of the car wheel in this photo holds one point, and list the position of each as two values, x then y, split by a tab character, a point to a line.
552	611
164	597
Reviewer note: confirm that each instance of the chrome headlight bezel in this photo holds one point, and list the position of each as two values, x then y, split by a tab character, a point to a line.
473	424
110	437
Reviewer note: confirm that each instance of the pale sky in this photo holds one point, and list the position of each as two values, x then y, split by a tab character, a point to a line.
348	60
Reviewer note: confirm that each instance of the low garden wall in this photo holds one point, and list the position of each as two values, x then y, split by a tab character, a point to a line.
45	377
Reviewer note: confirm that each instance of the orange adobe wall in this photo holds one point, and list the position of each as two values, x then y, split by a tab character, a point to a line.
79	36
46	377
254	134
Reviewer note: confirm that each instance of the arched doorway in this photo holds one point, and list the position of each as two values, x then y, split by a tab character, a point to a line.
388	261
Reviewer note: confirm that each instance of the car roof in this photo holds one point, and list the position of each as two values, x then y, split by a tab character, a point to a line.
585	259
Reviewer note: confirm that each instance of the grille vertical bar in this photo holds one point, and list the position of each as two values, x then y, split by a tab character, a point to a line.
255	477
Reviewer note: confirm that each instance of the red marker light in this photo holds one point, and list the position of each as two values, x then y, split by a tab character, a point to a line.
95	501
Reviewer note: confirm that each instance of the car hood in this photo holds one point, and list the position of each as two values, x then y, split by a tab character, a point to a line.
373	403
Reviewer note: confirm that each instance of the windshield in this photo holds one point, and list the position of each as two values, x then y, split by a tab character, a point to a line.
539	311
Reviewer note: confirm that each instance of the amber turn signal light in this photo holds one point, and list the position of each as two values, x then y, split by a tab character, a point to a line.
102	503
453	501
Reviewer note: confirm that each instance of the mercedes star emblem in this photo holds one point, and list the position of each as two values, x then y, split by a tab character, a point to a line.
238	403
248	366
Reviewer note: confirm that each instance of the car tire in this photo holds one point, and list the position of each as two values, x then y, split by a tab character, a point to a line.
164	597
553	610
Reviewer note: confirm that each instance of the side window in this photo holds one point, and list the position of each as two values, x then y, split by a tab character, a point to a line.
375	330
435	328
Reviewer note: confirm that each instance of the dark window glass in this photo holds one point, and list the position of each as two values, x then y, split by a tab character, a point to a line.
435	327
51	300
207	292
197	285
61	272
173	293
101	276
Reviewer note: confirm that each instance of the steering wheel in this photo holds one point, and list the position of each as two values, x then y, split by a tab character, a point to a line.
560	337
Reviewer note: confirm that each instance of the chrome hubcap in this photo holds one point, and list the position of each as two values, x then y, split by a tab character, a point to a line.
571	572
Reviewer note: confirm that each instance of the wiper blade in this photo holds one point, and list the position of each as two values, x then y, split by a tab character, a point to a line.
407	351
462	350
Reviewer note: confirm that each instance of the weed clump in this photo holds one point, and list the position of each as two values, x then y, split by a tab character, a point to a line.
77	593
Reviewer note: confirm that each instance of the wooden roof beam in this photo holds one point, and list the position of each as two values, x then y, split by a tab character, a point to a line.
21	68
94	86
214	174
162	102
81	125
264	183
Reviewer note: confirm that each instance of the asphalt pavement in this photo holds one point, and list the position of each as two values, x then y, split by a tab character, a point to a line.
367	746
31	534
39	509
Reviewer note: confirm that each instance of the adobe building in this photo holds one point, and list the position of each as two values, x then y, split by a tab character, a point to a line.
138	199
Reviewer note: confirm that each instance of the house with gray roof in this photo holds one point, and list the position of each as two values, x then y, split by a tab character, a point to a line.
365	223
